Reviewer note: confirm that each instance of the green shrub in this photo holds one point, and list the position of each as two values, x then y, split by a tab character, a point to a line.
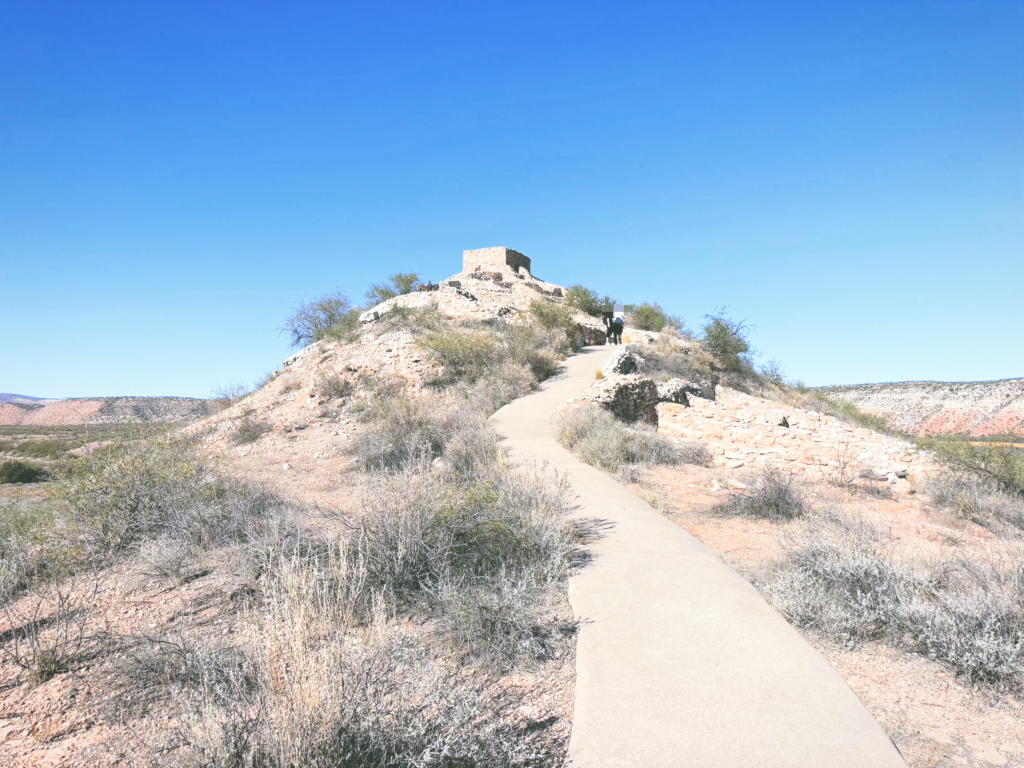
20	472
979	499
647	317
465	354
329	317
582	299
726	340
848	412
1001	465
114	500
558	318
397	284
45	449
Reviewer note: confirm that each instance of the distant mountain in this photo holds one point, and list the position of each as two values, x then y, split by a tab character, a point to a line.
977	408
7	397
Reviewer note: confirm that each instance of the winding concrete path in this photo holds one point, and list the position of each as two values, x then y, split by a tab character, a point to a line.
680	662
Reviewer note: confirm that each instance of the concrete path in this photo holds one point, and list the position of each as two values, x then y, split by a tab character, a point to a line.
680	662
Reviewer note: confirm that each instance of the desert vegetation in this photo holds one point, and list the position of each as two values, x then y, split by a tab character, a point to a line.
840	579
600	439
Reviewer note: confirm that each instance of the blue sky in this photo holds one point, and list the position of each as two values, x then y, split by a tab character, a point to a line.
847	177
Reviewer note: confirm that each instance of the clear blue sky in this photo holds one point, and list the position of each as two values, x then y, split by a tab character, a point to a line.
848	177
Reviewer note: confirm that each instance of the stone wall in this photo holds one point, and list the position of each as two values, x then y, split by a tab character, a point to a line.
500	259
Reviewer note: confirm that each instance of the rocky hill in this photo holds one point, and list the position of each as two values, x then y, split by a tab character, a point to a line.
103	410
977	408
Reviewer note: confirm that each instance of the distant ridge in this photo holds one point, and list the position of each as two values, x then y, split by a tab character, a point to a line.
7	397
976	408
16	410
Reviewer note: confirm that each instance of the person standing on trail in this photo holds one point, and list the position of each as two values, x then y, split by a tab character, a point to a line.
616	329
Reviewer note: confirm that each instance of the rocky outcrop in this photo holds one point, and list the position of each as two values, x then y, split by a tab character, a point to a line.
976	408
630	398
626	360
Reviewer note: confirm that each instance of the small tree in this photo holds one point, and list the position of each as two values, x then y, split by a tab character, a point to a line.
726	340
581	298
314	320
397	284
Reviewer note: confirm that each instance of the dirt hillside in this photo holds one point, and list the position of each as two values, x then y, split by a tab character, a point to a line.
977	408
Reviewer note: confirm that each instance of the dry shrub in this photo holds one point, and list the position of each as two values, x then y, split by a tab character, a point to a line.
334	386
598	438
50	629
113	501
773	495
249	430
326	695
979	499
839	580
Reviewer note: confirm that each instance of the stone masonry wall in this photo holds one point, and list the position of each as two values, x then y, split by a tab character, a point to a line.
746	431
500	259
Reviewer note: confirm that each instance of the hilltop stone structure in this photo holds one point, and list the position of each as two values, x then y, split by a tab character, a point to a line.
498	259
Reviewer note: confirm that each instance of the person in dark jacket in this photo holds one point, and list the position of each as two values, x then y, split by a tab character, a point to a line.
616	329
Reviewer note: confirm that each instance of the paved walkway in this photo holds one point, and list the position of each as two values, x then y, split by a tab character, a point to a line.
680	662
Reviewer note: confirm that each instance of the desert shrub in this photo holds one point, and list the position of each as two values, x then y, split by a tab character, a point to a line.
426	537
180	661
334	386
401	432
114	500
465	354
526	346
582	299
20	472
648	317
319	703
598	438
726	340
502	624
980	500
249	430
45	449
557	318
838	580
501	385
816	400
772	372
693	452
772	496
227	395
468	355
416	320
1000	465
329	316
50	629
396	285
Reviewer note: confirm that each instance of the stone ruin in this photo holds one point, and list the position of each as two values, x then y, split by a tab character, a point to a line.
498	259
